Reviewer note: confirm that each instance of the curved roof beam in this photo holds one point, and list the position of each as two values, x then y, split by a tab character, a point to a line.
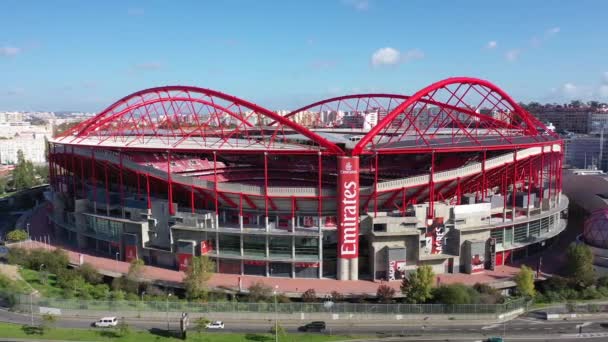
107	115
532	125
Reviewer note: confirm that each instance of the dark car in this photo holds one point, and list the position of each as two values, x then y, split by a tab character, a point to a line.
317	326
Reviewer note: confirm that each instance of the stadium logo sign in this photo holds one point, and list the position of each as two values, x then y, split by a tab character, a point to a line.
348	207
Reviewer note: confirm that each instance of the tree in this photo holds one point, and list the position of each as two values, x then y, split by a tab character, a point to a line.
47	322
23	173
309	296
3	185
525	282
198	273
258	292
454	294
385	294
16	235
417	286
201	324
579	264
90	274
136	269
123	328
336	296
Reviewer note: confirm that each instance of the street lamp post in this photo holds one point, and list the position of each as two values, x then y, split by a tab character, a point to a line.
117	254
27	225
168	295
142	295
276	317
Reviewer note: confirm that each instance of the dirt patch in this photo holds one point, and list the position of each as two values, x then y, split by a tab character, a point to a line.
11	271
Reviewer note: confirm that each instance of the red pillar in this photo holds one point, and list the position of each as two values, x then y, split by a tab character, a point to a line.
266	185
192	197
73	172
376	185
170	184
529	179
215	184
542	170
82	184
431	210
348	198
105	170
483	176
122	194
458	191
550	166
320	197
138	185
93	180
514	191
148	190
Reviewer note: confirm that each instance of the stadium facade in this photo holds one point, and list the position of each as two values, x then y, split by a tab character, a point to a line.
457	176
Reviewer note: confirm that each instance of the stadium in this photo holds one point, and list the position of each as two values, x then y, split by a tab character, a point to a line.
368	186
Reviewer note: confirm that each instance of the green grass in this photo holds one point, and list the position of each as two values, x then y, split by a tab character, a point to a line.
8	330
47	288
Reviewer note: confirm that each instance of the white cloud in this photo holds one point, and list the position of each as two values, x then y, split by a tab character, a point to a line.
359	5
9	51
512	55
552	31
602	91
392	56
148	66
386	56
569	88
492	44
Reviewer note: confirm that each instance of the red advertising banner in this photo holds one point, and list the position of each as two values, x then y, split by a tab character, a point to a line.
396	269
348	207
206	247
435	236
477	263
130	253
184	261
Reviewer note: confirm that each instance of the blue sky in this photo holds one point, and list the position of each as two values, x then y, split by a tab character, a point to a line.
84	55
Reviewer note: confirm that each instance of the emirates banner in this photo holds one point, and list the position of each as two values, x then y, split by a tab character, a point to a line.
348	207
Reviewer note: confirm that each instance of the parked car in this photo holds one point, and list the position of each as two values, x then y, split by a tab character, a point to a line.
215	325
495	339
317	326
106	322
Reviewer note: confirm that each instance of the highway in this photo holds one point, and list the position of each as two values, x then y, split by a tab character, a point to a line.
520	329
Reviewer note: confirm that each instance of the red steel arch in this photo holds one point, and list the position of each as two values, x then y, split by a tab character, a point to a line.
449	113
172	114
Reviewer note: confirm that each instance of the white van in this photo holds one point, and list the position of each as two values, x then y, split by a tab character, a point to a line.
106	322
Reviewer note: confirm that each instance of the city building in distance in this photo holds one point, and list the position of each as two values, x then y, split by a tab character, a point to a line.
368	186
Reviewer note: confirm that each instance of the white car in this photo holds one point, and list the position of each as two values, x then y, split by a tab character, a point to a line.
106	322
215	325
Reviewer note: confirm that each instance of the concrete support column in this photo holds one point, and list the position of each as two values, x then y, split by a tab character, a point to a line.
348	195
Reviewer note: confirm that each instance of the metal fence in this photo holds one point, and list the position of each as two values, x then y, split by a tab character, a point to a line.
285	308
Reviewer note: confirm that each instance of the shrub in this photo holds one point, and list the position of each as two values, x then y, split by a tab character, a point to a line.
90	274
17	256
309	296
385	294
336	296
201	324
602	281
123	328
258	291
454	294
16	235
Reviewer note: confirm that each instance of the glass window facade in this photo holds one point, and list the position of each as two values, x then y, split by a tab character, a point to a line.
280	246
307	248
254	245
230	244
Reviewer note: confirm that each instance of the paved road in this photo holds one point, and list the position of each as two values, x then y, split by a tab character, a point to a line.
515	329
